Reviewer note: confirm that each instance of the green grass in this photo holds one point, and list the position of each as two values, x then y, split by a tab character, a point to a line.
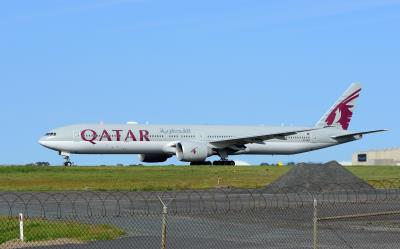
378	176
43	230
31	178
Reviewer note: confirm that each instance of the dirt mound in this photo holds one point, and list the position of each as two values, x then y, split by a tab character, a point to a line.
330	176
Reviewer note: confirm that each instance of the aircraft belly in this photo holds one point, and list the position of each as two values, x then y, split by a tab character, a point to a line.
159	147
110	147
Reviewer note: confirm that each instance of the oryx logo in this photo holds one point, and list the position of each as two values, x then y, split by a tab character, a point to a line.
194	151
343	112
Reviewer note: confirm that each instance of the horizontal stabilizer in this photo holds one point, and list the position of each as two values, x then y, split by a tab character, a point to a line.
357	134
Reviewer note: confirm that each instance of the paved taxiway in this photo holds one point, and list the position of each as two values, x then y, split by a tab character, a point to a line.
220	219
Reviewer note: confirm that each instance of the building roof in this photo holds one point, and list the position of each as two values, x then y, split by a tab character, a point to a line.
380	150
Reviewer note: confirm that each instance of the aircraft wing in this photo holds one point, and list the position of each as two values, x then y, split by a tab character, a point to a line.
241	141
356	134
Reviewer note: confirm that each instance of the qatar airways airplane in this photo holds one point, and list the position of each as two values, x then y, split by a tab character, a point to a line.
195	143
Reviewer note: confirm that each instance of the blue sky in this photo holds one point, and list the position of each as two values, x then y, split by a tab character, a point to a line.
194	62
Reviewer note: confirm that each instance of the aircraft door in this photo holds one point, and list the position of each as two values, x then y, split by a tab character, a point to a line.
76	136
200	136
313	138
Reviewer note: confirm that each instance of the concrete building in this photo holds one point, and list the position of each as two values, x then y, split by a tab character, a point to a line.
377	157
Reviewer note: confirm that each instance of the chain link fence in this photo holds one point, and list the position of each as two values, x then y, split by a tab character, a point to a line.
357	225
345	217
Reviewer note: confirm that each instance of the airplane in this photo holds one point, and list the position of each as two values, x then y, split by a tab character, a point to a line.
195	143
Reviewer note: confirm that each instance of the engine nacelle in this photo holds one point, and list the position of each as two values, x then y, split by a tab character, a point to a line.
153	158
191	151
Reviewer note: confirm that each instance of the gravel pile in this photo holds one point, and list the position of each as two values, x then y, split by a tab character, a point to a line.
330	176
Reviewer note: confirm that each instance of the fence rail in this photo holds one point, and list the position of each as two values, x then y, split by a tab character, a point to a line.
61	204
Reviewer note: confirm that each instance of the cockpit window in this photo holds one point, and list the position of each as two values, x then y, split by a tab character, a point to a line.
50	134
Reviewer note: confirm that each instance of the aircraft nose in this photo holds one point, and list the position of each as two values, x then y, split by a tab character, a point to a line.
48	140
42	141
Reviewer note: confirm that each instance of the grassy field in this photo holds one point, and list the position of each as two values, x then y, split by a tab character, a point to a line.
43	230
375	172
33	178
378	176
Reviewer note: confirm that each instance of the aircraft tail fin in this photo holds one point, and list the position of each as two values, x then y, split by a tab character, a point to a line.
340	114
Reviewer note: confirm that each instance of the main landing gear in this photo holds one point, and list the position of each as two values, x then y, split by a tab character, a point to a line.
224	159
215	163
224	163
66	157
205	163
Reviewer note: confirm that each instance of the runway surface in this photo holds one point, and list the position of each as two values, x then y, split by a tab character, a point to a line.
221	218
87	204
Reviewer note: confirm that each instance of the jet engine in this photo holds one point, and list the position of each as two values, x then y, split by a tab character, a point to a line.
191	151
153	158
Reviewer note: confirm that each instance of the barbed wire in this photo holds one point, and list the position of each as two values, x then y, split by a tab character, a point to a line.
123	203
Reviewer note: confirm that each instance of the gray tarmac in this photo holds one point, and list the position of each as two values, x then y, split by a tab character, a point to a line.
93	204
229	222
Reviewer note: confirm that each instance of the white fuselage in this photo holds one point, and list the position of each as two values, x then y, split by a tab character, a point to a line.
153	139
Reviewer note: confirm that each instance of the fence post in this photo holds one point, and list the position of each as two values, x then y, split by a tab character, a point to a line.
164	228
164	224
315	226
21	226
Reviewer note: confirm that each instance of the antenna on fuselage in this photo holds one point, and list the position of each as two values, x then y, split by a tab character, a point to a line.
132	122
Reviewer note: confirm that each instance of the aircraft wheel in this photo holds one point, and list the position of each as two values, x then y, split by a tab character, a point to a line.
67	164
223	163
200	163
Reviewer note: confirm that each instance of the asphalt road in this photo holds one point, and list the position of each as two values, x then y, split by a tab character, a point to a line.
217	219
84	204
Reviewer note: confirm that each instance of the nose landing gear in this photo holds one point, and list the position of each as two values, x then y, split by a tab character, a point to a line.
68	163
66	157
